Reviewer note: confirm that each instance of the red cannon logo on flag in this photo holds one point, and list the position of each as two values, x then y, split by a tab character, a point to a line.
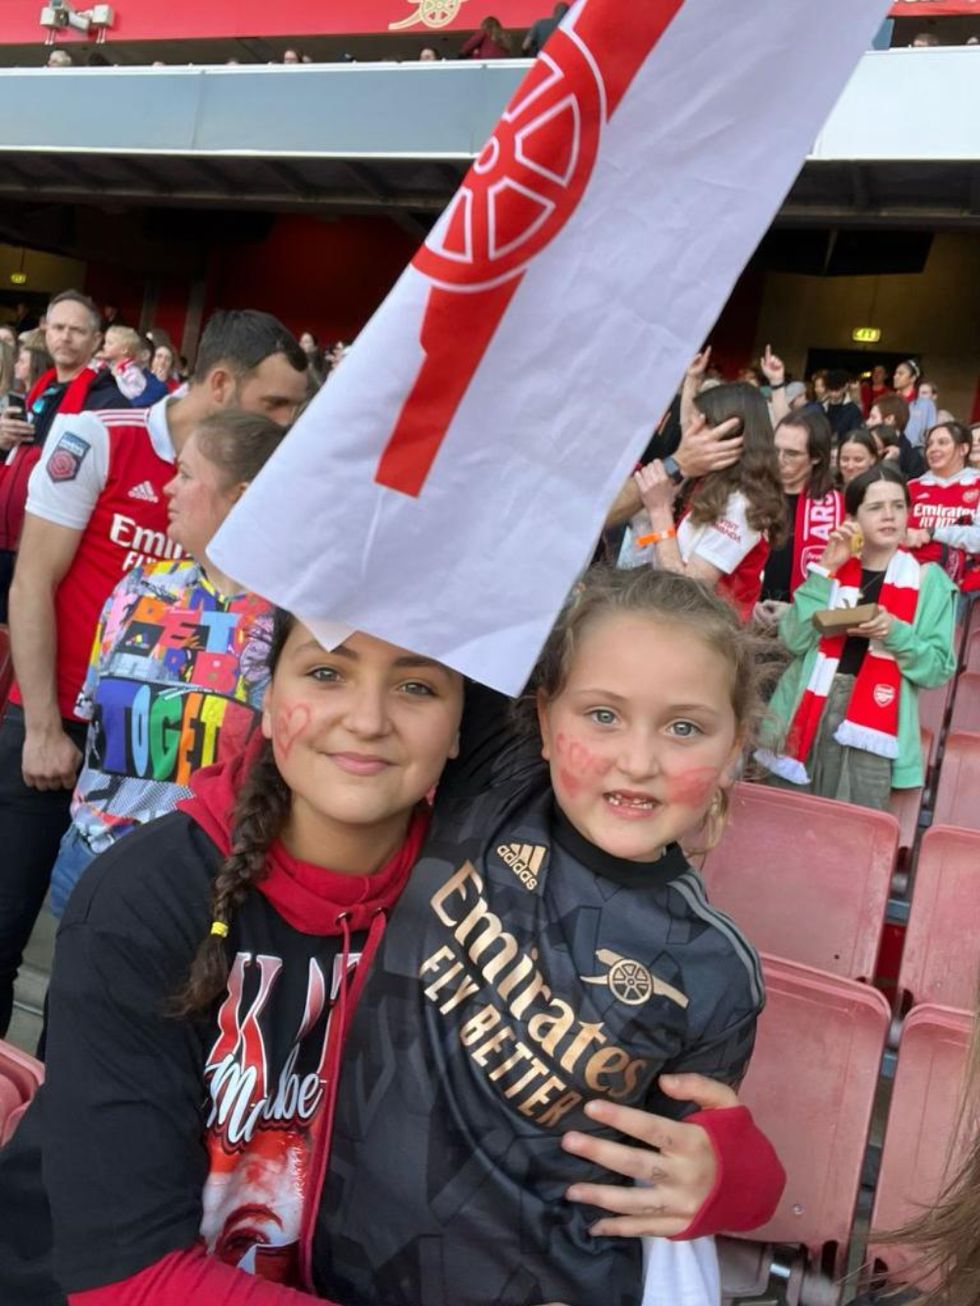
520	192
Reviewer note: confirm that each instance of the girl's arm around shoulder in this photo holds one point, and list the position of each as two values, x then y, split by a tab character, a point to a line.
923	649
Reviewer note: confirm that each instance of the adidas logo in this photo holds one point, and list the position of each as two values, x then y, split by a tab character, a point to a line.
524	859
144	491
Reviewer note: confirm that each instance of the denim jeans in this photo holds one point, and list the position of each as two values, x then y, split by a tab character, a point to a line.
73	857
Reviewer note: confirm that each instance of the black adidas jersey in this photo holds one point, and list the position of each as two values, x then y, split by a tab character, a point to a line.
524	972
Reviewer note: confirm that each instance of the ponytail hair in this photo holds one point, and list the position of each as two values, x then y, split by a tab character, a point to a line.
258	817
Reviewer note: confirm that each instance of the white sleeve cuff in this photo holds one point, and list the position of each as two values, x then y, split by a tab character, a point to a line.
820	571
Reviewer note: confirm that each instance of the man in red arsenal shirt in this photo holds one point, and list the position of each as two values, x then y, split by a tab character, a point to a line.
95	509
72	385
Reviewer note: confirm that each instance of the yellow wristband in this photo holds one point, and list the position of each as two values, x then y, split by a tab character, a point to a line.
656	536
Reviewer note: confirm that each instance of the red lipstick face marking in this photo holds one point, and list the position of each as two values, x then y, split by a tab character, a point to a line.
579	760
693	787
290	723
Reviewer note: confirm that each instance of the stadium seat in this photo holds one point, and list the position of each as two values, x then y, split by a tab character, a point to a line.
811	1088
932	714
941	960
966	704
906	804
923	1138
805	878
6	667
959	782
971	659
20	1078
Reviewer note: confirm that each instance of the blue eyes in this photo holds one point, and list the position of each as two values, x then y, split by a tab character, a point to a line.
604	716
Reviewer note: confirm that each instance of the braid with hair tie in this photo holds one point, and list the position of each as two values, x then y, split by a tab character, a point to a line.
259	814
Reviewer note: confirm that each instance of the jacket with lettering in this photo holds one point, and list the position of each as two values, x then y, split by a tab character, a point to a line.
524	973
103	475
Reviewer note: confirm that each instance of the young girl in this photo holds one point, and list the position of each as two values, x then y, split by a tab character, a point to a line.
554	948
944	524
844	721
730	519
185	1119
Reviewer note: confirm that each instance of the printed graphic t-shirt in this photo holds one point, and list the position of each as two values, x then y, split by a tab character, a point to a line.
175	683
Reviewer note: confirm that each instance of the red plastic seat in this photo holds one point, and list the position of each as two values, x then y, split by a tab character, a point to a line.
959	782
966	704
805	878
811	1088
923	1139
941	960
906	804
932	714
971	660
20	1078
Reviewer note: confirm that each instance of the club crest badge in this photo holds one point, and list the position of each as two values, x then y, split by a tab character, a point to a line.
631	982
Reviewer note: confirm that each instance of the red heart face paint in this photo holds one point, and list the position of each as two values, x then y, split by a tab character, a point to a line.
290	722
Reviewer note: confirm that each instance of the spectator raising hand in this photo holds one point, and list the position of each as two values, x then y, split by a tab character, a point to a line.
775	373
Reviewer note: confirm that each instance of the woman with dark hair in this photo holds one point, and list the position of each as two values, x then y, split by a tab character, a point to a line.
944	524
844	721
856	454
887	442
728	519
489	41
310	346
922	410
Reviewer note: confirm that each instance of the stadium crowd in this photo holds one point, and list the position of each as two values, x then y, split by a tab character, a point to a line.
221	806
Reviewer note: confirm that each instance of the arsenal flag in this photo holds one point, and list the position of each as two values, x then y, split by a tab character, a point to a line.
448	484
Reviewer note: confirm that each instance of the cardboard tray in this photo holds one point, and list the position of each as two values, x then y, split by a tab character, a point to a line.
831	621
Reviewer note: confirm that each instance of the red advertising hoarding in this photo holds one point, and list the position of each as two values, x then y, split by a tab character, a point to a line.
137	20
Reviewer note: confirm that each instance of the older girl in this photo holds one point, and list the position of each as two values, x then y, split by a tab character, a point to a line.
844	719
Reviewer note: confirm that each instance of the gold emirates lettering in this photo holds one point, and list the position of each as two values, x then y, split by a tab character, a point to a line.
572	1045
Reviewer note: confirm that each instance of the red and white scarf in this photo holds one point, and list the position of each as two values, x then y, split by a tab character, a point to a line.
815	519
871	720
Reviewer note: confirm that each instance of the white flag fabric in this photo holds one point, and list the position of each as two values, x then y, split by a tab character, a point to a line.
448	484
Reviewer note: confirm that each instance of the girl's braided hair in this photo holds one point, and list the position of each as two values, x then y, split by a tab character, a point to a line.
259	814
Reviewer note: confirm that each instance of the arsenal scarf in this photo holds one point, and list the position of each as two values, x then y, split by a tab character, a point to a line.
815	519
73	400
871	720
22	459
